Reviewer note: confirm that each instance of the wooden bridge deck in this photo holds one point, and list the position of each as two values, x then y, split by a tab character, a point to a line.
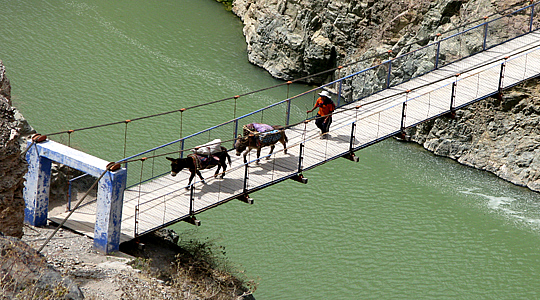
164	201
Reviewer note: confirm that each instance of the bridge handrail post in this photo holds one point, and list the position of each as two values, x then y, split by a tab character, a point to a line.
182	148
288	114
153	162
245	177
235	133
437	55
300	157
339	92
532	18
351	141
501	75
191	198
453	96
484	44
389	73
403	115
136	219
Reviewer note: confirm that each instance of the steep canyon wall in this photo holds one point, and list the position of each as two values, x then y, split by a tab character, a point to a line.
12	165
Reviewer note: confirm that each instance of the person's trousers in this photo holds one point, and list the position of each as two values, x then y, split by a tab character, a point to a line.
323	126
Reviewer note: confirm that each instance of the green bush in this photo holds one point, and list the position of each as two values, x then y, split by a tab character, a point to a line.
227	3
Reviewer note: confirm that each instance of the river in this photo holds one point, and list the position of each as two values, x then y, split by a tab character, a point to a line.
399	224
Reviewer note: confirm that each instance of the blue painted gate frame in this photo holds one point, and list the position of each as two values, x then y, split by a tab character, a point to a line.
110	194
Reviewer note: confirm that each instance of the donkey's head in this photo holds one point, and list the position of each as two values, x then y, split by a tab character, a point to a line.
177	164
241	144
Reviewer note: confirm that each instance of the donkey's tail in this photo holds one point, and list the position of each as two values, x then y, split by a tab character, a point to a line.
229	159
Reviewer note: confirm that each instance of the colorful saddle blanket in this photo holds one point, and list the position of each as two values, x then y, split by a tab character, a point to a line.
202	162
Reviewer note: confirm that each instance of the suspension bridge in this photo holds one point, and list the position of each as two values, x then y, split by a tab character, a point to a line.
487	60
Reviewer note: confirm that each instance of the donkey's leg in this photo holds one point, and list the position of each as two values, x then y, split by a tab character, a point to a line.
217	170
221	165
258	154
245	154
200	176
271	151
224	166
190	179
284	145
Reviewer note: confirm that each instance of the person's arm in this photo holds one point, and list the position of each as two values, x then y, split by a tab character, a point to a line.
315	106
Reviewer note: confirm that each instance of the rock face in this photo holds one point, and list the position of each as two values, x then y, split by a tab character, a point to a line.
292	39
26	275
12	165
499	136
295	38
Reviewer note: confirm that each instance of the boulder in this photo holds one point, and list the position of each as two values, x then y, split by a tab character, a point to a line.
26	275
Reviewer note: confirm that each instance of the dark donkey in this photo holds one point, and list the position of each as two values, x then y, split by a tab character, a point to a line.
195	162
259	140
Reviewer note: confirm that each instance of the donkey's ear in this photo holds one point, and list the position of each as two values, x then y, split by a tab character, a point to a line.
171	159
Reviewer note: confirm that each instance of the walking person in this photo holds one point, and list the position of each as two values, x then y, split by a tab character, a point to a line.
324	116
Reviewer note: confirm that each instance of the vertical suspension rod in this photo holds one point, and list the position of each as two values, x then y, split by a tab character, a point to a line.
501	75
125	136
191	198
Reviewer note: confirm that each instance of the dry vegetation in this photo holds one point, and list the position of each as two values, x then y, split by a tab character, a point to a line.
162	269
198	268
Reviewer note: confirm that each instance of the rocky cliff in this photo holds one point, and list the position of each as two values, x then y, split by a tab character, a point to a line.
12	165
501	136
296	38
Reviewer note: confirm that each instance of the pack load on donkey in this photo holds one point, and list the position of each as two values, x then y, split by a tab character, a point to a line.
208	148
205	156
266	134
257	136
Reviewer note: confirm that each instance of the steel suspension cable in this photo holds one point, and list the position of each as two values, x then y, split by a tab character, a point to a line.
301	79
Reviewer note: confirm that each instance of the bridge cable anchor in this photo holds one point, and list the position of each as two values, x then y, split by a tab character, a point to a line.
352	157
192	220
245	198
300	178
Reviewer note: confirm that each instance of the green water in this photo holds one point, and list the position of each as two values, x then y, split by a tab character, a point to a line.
400	224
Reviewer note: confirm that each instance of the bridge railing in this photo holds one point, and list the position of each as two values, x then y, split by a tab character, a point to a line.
371	75
354	127
451	47
448	48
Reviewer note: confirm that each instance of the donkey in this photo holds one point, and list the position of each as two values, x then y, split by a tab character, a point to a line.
195	162
258	141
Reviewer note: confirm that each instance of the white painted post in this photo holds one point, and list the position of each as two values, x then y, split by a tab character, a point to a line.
109	211
36	189
110	194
